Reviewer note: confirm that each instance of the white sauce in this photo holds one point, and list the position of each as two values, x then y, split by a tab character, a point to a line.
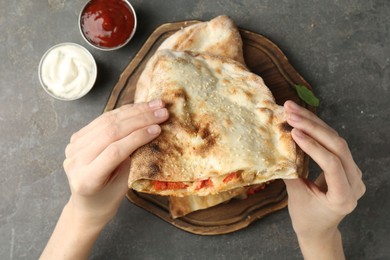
68	71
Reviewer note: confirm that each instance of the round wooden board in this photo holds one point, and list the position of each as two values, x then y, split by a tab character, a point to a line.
265	59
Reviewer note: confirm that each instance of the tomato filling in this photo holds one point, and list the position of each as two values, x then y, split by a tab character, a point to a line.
230	177
204	183
169	185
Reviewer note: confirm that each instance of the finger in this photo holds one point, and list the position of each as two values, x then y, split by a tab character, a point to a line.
107	124
359	189
330	140
112	133
359	172
101	121
338	185
117	152
293	108
358	185
118	114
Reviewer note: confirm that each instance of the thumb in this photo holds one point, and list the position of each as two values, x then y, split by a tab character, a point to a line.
122	175
300	187
294	186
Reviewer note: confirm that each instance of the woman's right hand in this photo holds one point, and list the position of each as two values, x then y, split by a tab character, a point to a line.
316	209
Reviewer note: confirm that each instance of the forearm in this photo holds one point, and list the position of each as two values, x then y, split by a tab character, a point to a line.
327	246
73	236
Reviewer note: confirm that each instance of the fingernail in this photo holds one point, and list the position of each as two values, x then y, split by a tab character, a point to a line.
294	117
155	103
292	105
161	112
154	129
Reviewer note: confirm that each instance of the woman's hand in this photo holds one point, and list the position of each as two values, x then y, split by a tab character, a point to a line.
97	166
97	157
316	209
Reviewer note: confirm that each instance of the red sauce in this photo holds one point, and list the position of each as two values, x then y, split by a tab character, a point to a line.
107	23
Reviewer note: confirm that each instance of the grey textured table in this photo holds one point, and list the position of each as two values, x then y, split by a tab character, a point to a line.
341	47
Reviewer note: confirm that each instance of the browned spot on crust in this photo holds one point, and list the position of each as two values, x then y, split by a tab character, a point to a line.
204	132
268	103
168	105
226	82
154	148
248	94
268	113
233	90
265	111
180	93
178	149
285	127
209	139
154	170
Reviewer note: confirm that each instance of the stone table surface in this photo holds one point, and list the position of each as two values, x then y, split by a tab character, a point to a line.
342	48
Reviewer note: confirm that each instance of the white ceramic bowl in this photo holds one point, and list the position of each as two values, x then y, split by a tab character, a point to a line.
67	71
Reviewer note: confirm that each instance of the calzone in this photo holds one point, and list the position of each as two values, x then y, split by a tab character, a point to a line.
220	37
225	130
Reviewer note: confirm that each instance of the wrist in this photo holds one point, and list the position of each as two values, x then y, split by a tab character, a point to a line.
85	218
73	236
324	245
89	215
314	234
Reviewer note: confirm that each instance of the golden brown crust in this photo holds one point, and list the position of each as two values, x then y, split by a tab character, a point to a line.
219	36
220	122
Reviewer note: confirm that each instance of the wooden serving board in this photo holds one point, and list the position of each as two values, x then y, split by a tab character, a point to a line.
263	58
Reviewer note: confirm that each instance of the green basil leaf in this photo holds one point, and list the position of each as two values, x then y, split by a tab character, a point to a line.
307	95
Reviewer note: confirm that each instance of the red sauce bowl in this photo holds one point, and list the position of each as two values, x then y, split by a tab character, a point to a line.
107	24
